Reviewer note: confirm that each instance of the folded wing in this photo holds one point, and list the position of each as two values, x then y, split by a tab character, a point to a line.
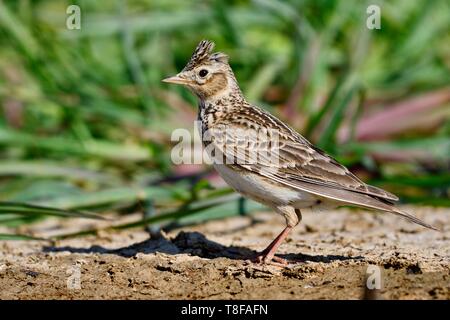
285	156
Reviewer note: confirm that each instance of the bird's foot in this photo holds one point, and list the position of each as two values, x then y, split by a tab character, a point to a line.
264	258
267	256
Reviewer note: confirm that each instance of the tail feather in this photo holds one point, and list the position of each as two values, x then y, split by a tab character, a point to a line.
358	199
412	218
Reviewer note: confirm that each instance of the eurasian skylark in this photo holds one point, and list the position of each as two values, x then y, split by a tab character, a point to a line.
299	176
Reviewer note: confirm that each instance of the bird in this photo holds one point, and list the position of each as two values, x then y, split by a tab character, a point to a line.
243	139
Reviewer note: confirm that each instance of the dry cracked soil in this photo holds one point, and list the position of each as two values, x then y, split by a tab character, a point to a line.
332	255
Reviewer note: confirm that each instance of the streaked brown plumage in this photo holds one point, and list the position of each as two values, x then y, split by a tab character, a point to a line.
304	176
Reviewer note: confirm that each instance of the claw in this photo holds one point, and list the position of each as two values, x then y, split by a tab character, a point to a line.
264	258
267	256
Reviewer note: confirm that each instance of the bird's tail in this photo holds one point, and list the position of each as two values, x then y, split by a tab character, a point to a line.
356	199
412	218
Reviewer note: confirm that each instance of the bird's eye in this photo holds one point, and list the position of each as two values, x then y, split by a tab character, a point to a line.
203	73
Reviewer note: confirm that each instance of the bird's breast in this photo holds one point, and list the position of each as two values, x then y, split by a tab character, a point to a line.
263	190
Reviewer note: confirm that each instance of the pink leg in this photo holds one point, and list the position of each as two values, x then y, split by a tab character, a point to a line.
268	254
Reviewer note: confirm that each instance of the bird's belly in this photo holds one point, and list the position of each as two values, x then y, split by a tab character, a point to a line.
261	189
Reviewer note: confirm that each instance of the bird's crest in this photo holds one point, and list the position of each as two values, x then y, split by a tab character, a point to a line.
203	53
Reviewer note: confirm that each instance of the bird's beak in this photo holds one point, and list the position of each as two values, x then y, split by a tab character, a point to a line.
176	79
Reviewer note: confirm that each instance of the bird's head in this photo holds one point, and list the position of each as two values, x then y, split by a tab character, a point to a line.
207	74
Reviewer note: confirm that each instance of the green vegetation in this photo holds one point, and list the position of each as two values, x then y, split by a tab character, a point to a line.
86	121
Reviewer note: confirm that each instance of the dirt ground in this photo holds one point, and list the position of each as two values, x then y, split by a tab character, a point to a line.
329	254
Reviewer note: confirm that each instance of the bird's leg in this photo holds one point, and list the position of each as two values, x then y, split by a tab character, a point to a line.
293	216
268	254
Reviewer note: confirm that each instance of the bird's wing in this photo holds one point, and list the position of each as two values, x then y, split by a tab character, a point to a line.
296	158
282	155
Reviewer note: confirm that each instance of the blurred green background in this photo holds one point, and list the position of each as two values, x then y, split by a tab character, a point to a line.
86	120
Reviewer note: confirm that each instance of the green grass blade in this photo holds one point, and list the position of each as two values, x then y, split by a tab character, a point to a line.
328	137
110	196
52	169
102	149
179	213
316	118
7	236
30	209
